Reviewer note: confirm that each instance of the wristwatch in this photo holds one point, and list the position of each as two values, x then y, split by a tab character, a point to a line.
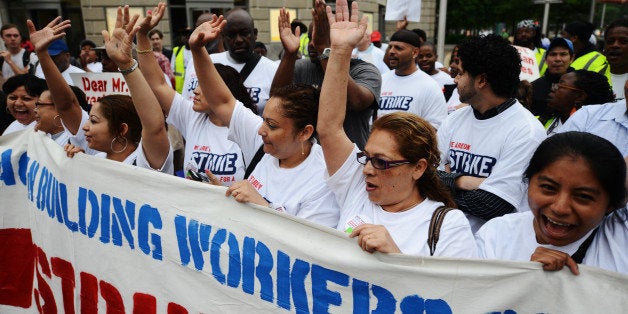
325	54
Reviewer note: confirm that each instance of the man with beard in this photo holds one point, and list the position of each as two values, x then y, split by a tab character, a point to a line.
616	52
527	35
407	88
364	78
586	57
558	58
256	71
486	146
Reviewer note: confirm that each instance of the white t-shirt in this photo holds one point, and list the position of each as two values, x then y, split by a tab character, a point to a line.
372	55
16	126
137	158
60	138
453	101
17	59
618	81
442	78
416	93
511	237
301	190
608	249
498	148
66	74
257	83
409	229
206	145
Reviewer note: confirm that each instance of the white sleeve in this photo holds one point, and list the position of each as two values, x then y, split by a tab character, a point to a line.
434	105
167	167
348	181
180	114
456	237
577	122
243	129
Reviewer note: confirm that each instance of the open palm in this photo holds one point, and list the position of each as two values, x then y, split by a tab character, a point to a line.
207	32
289	40
344	28
42	38
120	42
152	18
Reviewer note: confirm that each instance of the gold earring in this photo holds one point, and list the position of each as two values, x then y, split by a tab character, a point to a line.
302	152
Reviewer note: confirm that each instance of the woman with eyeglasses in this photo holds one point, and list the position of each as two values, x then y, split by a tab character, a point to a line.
574	90
22	92
289	177
388	192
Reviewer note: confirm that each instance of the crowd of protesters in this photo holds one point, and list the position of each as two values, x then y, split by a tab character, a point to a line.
377	140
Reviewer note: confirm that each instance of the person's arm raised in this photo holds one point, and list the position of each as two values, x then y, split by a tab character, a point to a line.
64	99
155	141
148	64
221	101
290	42
345	33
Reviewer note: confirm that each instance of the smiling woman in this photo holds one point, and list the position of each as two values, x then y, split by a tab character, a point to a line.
22	93
575	180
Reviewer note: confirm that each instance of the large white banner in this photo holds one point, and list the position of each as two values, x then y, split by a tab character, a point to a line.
87	235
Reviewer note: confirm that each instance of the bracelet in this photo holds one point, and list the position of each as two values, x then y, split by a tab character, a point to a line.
144	51
130	69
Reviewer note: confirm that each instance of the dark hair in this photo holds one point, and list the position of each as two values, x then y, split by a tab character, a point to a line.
524	94
232	78
155	31
493	56
118	109
602	157
299	102
421	33
623	22
416	139
595	85
81	97
8	26
33	85
429	44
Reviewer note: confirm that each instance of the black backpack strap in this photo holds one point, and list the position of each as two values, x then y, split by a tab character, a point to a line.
258	156
582	250
249	66
437	220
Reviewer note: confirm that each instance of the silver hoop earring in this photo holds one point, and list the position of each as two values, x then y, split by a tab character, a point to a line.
116	139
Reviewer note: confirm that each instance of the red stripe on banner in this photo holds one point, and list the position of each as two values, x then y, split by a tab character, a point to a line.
17	267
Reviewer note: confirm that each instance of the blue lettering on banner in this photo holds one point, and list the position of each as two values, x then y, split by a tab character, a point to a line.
471	164
395	102
6	168
254	92
253	263
219	165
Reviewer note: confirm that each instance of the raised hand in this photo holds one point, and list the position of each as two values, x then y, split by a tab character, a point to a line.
344	28
402	24
42	38
289	40
320	27
120	42
207	32
152	18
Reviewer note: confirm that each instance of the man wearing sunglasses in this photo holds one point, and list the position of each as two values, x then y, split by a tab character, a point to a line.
558	59
15	60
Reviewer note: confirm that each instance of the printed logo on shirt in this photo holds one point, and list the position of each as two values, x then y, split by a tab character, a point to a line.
254	92
395	102
471	164
219	165
192	86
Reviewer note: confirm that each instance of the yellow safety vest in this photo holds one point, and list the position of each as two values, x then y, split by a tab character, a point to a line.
303	42
179	69
540	59
594	62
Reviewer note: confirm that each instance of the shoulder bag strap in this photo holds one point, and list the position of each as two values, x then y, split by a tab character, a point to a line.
249	66
582	250
437	220
258	156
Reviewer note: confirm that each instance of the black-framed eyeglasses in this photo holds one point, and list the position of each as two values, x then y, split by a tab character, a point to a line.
39	104
379	163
